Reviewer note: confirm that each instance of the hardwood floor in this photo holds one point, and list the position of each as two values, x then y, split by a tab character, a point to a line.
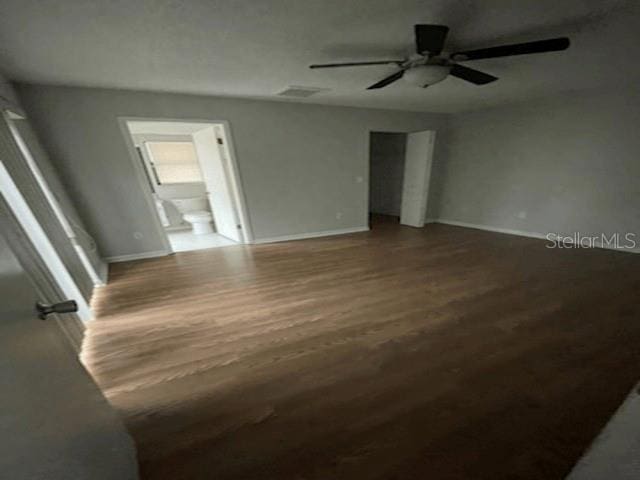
439	353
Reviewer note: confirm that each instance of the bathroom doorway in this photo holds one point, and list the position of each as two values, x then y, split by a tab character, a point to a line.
188	172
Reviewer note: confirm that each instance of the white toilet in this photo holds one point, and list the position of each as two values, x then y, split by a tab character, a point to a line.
200	221
194	211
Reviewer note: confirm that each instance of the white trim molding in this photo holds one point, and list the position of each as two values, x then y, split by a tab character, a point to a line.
51	198
303	236
523	233
137	256
28	222
104	274
236	183
488	228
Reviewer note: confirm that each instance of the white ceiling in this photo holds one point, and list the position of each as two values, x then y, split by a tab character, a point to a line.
255	48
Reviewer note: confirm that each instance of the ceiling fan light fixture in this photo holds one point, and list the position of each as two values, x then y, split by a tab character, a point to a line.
424	75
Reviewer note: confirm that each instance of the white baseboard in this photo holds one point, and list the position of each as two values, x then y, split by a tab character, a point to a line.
137	256
302	236
489	228
523	233
283	238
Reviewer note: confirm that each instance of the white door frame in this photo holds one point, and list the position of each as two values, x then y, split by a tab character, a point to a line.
236	183
98	278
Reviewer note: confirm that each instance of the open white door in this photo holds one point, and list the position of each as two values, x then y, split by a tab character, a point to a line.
54	422
417	171
216	177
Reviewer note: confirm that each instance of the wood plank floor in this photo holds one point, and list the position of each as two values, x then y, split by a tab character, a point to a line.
400	353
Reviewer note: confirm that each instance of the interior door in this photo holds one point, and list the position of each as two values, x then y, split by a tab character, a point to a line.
54	422
417	172
216	177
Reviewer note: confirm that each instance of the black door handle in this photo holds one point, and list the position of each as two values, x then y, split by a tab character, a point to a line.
44	309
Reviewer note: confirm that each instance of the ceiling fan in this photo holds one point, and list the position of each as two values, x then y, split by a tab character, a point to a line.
427	66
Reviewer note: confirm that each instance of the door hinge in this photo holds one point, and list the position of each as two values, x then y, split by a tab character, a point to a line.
220	142
239	227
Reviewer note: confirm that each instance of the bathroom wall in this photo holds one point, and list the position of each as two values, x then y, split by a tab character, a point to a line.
168	192
178	190
181	190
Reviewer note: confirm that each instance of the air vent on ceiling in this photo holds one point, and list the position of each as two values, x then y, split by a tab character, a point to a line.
301	92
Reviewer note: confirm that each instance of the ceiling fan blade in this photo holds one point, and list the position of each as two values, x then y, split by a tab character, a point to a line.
541	46
430	38
356	64
388	80
470	75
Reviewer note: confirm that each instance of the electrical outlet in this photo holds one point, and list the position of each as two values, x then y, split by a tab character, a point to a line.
359	179
522	215
137	235
338	215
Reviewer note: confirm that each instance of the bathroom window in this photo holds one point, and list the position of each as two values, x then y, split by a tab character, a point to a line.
174	162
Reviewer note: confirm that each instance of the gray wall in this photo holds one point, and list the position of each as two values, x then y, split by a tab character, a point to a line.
387	171
299	164
568	164
560	165
7	92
